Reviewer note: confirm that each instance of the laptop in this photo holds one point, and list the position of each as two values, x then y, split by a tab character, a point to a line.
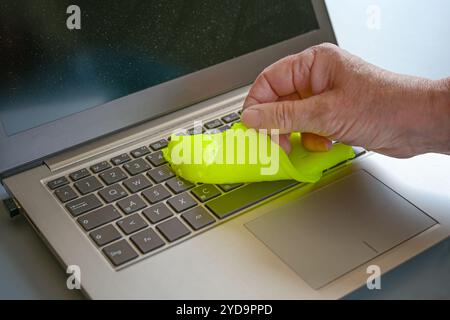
85	113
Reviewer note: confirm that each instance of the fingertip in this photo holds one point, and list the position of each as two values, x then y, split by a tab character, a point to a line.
251	118
316	143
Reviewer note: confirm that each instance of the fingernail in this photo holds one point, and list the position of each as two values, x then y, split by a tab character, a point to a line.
251	118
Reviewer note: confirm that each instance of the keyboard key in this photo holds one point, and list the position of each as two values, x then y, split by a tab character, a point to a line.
112	175
205	192
230	117
120	252
98	217
246	196
229	186
66	193
157	213
147	240
156	158
131	223
88	185
80	174
59	182
160	174
213	124
173	229
158	145
131	204
83	205
102	166
139	152
182	202
178	185
198	218
195	130
219	130
105	235
136	166
156	194
137	183
112	193
224	128
124	157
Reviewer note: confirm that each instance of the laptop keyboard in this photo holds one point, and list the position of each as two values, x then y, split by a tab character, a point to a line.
134	206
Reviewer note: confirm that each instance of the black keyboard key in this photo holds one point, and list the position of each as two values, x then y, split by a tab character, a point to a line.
230	117
213	124
131	223
158	145
66	193
56	183
131	204
101	166
147	240
83	205
161	174
198	218
182	202
219	130
80	174
113	175
88	185
124	157
105	235
229	186
136	166
156	158
157	213
246	196
205	192
156	194
120	252
113	193
98	217
173	229
178	185
137	183
139	152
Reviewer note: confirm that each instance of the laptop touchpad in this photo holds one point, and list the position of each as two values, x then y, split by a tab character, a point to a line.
333	230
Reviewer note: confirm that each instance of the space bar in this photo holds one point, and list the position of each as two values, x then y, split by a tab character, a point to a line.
246	196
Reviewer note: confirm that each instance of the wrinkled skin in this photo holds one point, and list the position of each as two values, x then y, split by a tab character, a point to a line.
327	93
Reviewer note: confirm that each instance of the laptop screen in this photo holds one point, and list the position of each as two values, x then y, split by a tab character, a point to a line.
49	72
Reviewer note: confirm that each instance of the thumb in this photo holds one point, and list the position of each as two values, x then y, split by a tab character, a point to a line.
305	115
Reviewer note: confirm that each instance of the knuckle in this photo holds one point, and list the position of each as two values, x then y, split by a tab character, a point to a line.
328	49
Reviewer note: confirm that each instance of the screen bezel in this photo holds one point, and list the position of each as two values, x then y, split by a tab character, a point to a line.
28	148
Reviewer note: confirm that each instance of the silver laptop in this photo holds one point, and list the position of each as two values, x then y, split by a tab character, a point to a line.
86	112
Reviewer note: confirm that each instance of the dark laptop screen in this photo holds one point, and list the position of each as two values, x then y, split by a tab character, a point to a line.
48	72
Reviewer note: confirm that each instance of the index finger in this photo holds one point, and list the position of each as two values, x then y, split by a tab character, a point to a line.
286	77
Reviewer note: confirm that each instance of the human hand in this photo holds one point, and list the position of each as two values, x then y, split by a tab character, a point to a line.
327	93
